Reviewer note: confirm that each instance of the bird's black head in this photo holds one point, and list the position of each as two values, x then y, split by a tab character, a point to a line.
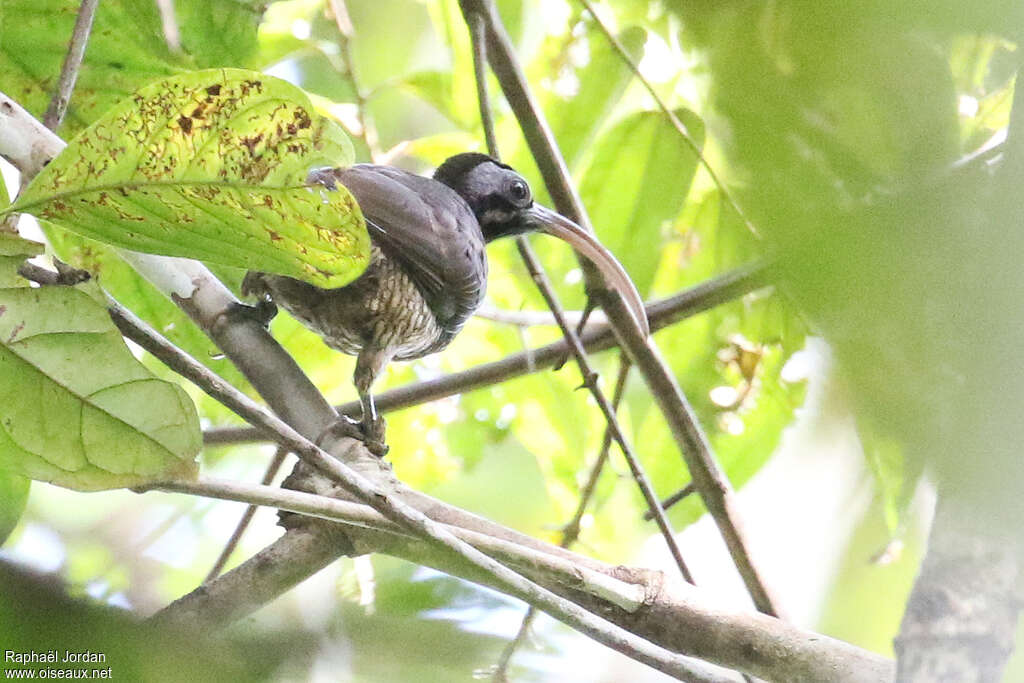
501	201
499	197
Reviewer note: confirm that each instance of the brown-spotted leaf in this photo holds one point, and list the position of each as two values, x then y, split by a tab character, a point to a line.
211	165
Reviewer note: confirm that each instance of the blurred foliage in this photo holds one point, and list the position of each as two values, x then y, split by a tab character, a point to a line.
29	604
845	120
835	125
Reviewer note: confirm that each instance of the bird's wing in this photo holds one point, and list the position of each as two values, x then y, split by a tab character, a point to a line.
427	228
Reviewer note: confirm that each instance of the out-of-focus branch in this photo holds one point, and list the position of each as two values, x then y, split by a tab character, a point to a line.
680	128
367	130
597	337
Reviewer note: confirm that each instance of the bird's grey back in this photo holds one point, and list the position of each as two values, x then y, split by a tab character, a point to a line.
430	230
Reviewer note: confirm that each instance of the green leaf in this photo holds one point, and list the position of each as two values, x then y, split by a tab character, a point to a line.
210	165
13	496
603	81
127	48
138	295
76	408
638	179
220	33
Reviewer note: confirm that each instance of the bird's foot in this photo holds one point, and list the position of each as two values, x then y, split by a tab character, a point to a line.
371	432
263	311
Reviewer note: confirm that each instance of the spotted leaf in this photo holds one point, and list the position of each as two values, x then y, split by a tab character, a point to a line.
210	165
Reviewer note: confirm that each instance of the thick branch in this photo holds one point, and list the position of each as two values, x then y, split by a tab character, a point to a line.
664	611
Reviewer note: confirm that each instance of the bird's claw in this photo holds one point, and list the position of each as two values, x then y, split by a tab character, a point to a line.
263	311
372	434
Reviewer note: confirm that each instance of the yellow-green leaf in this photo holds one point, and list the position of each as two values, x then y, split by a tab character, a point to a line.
211	165
76	408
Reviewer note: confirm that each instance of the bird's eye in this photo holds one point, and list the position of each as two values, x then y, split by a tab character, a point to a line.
519	191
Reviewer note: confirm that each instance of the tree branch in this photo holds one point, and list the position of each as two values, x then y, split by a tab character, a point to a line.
710	481
661	314
72	62
669	612
477	23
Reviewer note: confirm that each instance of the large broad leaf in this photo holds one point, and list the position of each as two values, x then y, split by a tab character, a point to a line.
76	408
146	301
638	179
210	165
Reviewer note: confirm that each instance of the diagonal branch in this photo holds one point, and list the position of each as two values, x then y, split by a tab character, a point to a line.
540	278
661	314
72	63
708	478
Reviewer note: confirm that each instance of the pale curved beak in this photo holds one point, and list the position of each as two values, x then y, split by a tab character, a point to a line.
545	220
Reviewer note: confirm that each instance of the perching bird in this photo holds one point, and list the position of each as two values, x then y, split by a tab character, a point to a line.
428	266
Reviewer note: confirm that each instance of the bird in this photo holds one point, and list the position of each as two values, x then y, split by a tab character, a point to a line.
428	266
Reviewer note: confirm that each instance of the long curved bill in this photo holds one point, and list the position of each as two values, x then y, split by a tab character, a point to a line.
546	220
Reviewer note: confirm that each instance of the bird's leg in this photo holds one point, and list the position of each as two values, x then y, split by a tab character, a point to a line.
371	426
369	364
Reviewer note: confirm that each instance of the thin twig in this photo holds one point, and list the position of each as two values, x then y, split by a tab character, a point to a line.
246	519
590	381
72	62
590	377
661	314
711	482
673	499
571	530
669	114
537	318
169	24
